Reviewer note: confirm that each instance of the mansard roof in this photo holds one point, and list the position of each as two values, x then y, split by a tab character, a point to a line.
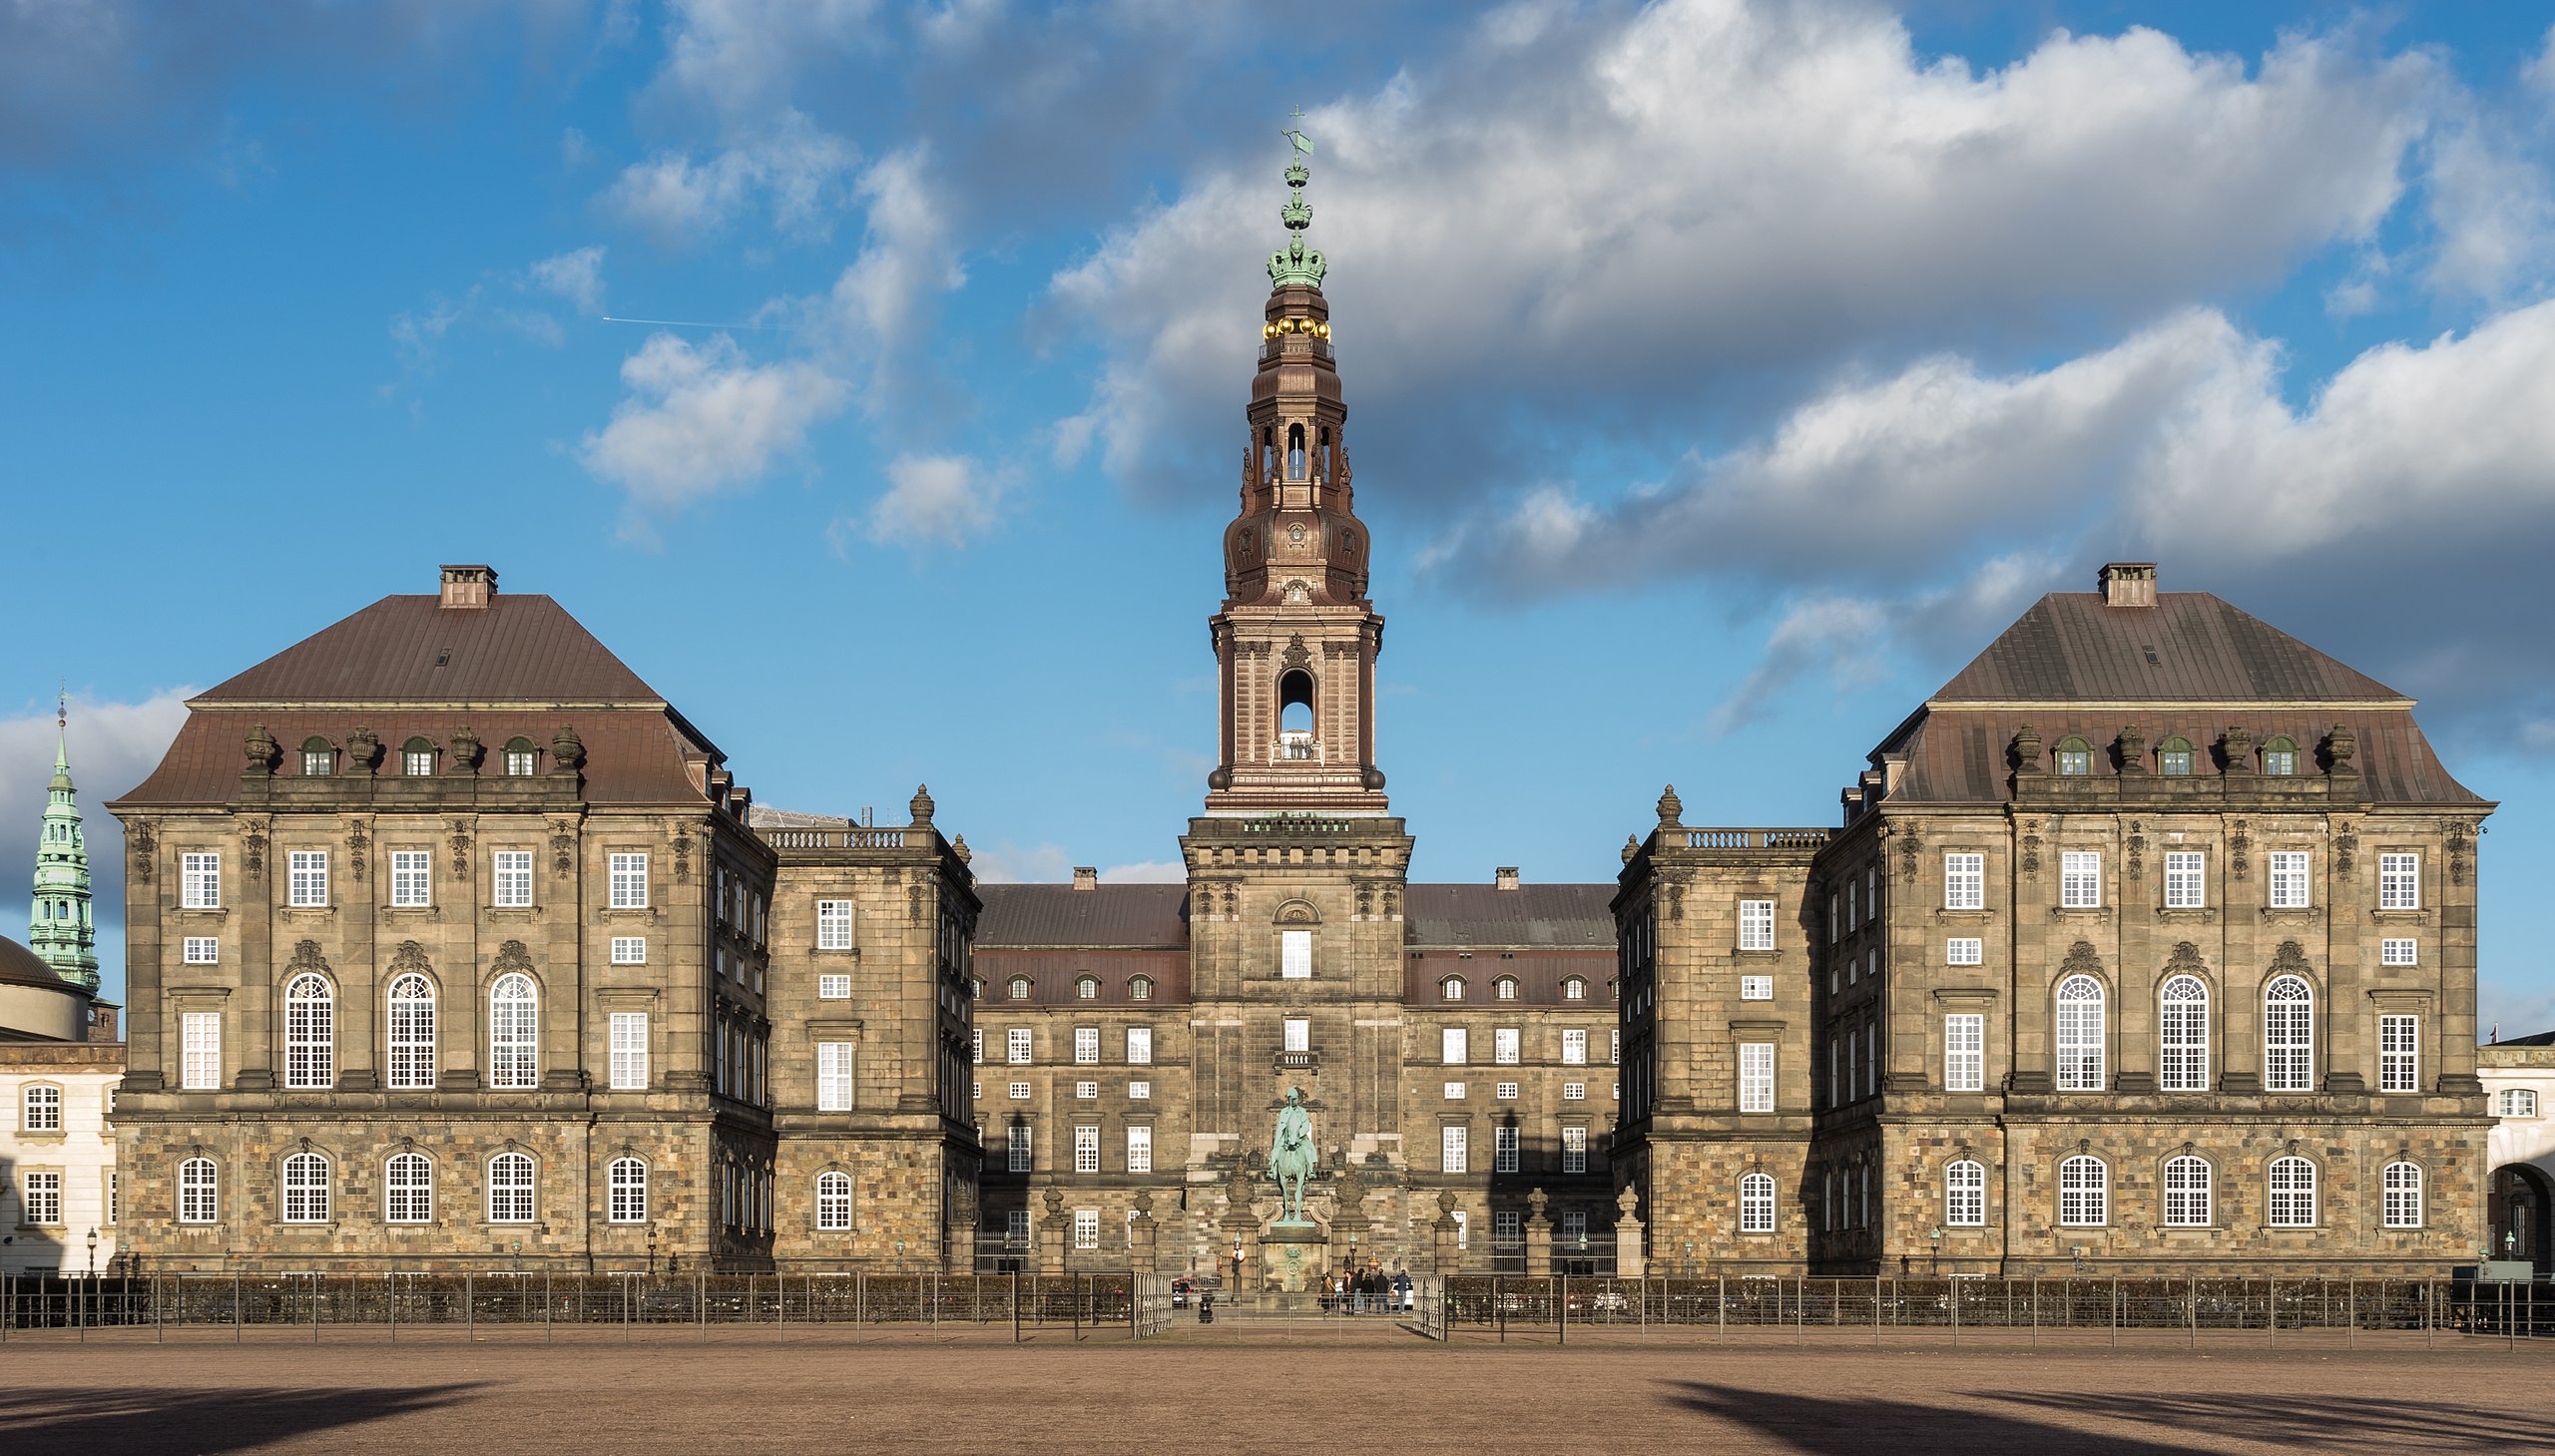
1530	914
1145	916
518	648
2191	647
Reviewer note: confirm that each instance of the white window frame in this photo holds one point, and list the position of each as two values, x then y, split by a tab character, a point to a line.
1506	1045
629	1051
1965	950
307	1181
1086	1046
1755	1204
1086	1148
1574	1092
309	1032
412	878
2293	1200
1964	881
306	879
411	1038
836	920
1140	1046
1965	1194
2516	1101
1296	1033
2400	881
201	950
1086	1228
2084	1193
1296	955
2079	879
510	879
630	950
1016	1046
1454	1148
39	1197
198	1190
200	1051
2082	1024
1454	1045
512	1190
2399	1053
1574	1150
1503	1148
1505	1092
1574	1045
834	1077
1016	1091
40	1108
1023	1148
1140	1092
1756	1077
2191	1192
629	880
514	1031
1964	1051
2400	951
836	986
200	881
2288	1037
2186	880
2400	1184
1140	1148
1755	925
626	1191
833	1200
1756	988
2291	889
2182	1034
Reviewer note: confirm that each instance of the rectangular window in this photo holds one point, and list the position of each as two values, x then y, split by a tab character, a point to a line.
513	878
1454	1144
2399	1053
202	950
1507	1229
419	763
199	1056
1086	1091
1614	1047
1140	1149
1507	1091
834	1076
1140	1046
838	988
200	881
1574	1092
2398	952
1463	1229
1140	1092
1016	1046
1297	1032
1086	1046
1965	950
43	1110
1756	1077
1965	1052
1021	1151
1454	1092
1086	1149
2400	881
630	881
411	877
1015	1229
977	1036
1086	1228
2288	879
2186	883
1755	925
1504	1046
1016	1091
1573	1047
1574	1150
1964	881
1756	988
630	1051
833	925
630	950
1503	1148
2079	879
1450	1045
309	884
1296	954
43	1202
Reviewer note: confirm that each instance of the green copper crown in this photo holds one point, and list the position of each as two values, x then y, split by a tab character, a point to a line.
1298	264
63	933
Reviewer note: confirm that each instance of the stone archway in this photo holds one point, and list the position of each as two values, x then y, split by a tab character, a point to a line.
2519	1216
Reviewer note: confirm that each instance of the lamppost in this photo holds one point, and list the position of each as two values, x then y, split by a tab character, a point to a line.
1690	1258
1937	1236
901	1255
2077	1253
89	1277
652	1250
92	1269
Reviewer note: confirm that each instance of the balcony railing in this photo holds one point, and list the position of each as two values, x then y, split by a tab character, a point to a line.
1756	838
835	839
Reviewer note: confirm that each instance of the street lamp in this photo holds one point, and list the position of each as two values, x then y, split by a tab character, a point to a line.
93	1253
1938	1249
652	1250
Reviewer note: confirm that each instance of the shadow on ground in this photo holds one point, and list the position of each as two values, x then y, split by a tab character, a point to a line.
42	1419
2305	1424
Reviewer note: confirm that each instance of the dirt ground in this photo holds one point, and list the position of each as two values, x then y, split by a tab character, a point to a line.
1238	1389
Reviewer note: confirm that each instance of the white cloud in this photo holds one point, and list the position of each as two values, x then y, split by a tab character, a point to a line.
1628	208
2493	215
1145	872
884	299
576	277
947	500
701	418
734	55
1007	864
800	171
1836	632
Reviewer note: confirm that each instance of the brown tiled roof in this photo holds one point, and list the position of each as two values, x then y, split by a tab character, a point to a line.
1052	974
632	755
2189	646
1531	914
1959	755
516	649
1539	976
1130	917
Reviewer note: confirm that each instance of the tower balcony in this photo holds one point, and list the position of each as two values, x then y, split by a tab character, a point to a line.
1297	746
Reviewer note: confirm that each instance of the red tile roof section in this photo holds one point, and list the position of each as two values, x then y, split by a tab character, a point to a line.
517	649
2071	645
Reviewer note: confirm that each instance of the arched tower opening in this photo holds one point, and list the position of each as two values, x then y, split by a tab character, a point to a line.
1295	714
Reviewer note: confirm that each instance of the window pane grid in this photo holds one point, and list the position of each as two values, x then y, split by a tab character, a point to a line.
1965	1195
1965	1052
2289	1036
2292	1194
2080	1035
1964	881
2185	880
2187	1193
2084	1193
2399	1054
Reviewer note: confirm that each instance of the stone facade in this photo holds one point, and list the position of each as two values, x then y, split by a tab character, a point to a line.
2520	1089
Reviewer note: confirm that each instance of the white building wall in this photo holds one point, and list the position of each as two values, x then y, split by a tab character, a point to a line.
82	1152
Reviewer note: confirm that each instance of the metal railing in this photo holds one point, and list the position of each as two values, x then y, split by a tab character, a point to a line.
834	839
1756	838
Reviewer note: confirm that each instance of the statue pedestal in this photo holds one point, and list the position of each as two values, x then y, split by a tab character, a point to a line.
1292	1252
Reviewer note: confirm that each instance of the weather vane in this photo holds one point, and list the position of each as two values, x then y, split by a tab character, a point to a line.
1296	133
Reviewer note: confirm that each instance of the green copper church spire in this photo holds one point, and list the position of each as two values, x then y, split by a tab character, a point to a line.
62	934
1299	265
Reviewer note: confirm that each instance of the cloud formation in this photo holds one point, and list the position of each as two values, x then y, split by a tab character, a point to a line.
797	171
113	745
703	418
943	499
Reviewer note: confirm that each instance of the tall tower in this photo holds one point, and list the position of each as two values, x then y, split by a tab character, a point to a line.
1297	641
62	933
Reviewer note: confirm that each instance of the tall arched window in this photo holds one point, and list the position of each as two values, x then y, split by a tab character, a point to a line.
408	1189
833	1200
412	1032
1294	452
628	1182
1965	1195
2403	1189
2289	1034
2187	1193
198	1192
2080	1034
1757	1204
514	1031
2181	1035
309	1032
1295	714
306	1188
2084	1193
510	1187
2292	1188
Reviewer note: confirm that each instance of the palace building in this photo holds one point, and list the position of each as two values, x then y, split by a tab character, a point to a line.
2147	945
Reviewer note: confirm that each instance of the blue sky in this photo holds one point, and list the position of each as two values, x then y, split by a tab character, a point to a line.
1721	375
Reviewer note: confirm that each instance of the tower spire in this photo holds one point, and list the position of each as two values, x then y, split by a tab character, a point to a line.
63	934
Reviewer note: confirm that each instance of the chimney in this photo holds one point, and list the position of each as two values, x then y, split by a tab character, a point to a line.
1086	878
2129	584
468	585
1505	877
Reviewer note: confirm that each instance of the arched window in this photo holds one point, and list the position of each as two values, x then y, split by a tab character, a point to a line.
2084	1193
514	1031
1296	714
1451	989
2080	1034
198	1192
2279	756
1965	1195
2075	757
1140	988
2174	757
628	1183
417	757
510	1187
408	1189
306	1188
1757	1204
2289	1034
41	1109
520	756
1505	988
2187	1193
2182	1036
309	1032
1019	988
833	1200
1574	988
1086	988
412	1032
2293	1204
1294	452
2404	1187
318	758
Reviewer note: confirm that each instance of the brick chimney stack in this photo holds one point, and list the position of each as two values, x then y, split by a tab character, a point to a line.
1086	878
468	585
1505	877
2129	584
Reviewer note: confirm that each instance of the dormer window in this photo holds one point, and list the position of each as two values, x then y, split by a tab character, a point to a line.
318	760
2279	756
1572	988
1451	989
1086	988
2174	757
2075	758
417	759
519	758
1505	988
1019	988
1140	988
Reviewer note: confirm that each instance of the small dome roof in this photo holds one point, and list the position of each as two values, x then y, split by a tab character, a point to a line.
20	966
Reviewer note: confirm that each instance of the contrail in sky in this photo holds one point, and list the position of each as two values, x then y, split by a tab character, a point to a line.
680	323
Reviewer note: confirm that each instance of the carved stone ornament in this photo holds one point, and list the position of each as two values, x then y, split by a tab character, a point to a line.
2186	960
913	903
1671	807
1910	849
2031	857
1676	902
261	748
461	850
2345	845
255	842
144	848
2341	745
1298	655
2236	748
2291	959
511	956
683	858
2132	750
364	750
563	847
2461	848
2238	850
920	805
2137	847
1632	846
958	847
410	956
465	752
2027	750
306	957
357	841
2082	958
567	750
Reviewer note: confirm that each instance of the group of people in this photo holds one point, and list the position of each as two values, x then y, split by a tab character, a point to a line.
1369	1291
